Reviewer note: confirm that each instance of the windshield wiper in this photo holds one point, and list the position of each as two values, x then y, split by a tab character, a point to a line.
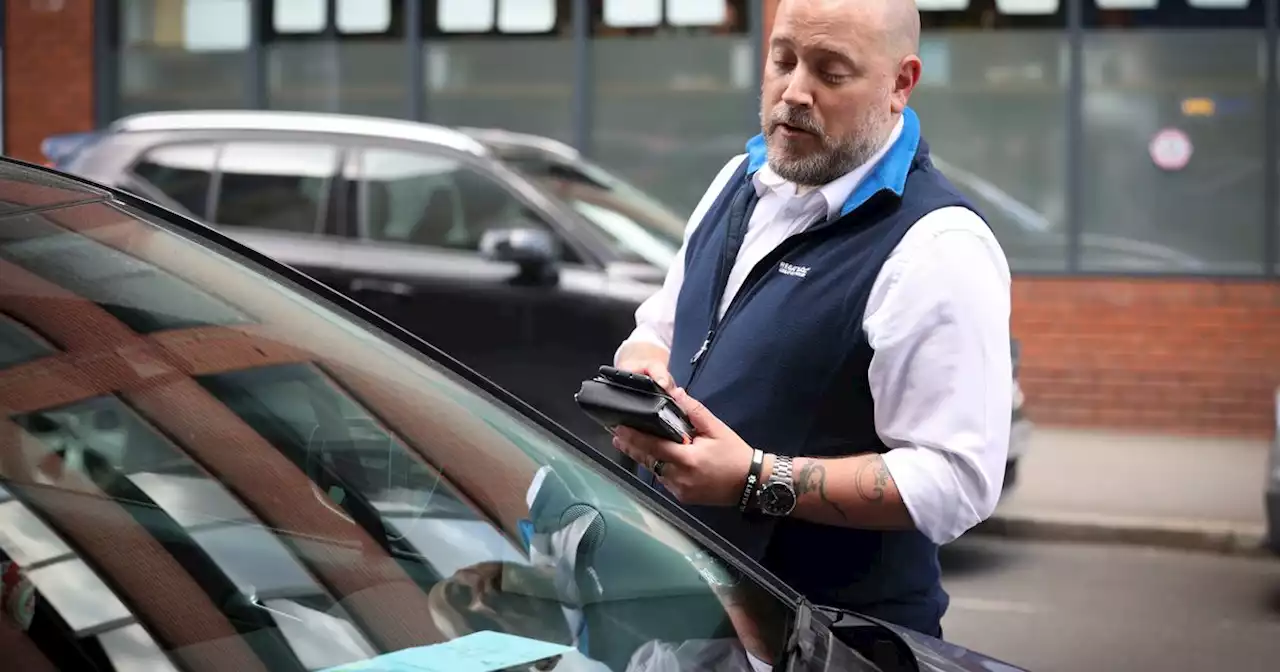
813	645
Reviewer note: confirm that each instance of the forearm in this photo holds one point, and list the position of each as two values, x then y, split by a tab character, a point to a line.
856	492
635	350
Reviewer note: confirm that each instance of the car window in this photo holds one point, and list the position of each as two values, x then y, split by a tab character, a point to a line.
636	226
297	491
432	200
181	172
278	186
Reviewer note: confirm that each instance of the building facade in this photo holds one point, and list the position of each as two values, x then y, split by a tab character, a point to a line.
1125	151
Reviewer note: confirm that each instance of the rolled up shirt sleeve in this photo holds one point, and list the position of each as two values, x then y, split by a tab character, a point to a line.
941	374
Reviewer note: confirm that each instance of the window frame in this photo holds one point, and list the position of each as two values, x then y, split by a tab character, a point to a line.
155	191
580	252
329	222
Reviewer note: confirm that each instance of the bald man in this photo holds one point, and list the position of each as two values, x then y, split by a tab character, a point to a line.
836	325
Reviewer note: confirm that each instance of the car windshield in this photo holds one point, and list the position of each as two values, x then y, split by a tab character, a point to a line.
203	466
638	227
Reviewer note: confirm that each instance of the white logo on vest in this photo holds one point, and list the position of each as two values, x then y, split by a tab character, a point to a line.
791	269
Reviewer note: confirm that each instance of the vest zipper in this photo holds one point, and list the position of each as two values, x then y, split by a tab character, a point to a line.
749	285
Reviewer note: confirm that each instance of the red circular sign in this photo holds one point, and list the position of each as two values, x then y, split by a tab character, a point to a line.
1170	149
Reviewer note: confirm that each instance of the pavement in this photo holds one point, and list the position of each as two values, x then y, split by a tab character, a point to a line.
1079	607
1190	493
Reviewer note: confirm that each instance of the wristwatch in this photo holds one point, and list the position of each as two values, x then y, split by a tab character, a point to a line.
778	495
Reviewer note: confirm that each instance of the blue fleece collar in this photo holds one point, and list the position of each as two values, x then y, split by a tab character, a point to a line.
890	173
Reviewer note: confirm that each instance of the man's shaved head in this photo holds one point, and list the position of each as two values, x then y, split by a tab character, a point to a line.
839	74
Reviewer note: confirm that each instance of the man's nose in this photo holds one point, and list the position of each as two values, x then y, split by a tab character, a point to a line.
799	91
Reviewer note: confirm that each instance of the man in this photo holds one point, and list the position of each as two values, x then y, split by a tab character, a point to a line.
836	325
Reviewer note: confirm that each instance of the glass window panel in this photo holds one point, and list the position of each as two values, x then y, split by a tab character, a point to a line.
941	5
481	78
364	16
673	105
1189	14
992	102
632	13
181	54
216	25
465	16
696	12
1173	151
300	16
184	173
526	16
1027	6
275	186
419	199
361	70
1127	4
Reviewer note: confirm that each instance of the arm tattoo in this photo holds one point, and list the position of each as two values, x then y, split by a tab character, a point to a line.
873	493
812	477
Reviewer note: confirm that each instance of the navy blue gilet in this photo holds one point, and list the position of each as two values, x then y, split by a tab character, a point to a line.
786	368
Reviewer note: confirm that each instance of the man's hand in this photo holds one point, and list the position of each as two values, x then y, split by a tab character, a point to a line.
711	470
648	359
855	491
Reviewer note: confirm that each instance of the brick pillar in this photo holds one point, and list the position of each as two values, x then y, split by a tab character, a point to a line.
48	72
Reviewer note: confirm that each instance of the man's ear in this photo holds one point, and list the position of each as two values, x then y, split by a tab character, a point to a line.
904	83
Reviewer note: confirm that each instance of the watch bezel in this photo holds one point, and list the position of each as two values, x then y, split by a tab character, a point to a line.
769	496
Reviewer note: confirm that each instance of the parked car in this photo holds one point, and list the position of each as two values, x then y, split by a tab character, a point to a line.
538	256
210	461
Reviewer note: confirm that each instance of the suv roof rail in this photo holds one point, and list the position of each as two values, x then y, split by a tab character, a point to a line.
278	120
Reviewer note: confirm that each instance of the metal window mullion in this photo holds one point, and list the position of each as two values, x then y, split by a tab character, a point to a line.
583	75
1075	133
414	52
1271	135
256	57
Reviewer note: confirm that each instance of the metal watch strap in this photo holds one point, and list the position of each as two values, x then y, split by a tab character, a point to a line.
753	478
781	469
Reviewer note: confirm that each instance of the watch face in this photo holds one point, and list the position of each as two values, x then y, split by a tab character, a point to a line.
777	499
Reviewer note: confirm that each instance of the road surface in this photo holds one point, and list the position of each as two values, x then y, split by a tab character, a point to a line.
1067	607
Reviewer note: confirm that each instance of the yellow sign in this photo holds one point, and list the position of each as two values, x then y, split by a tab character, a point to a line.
1198	107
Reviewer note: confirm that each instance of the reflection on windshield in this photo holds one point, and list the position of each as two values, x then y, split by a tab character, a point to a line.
287	491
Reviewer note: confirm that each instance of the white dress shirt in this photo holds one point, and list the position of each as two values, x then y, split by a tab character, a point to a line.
938	320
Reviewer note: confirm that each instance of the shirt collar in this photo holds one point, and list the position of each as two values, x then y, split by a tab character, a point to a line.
834	193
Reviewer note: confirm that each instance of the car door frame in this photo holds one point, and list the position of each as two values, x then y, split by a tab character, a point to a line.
316	252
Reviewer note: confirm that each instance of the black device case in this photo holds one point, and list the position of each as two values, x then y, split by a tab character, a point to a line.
612	404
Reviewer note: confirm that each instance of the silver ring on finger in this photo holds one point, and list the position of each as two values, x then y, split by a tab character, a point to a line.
657	467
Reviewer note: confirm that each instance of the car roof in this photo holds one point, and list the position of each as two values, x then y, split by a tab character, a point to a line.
307	122
502	140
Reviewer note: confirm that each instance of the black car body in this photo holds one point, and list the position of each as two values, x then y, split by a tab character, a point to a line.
538	257
209	461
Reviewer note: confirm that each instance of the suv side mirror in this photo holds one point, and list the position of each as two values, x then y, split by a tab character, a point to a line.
535	251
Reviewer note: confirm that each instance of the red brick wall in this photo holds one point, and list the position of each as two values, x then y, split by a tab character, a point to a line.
1188	356
48	72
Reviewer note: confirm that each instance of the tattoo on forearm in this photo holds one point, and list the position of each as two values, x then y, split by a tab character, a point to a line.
812	477
873	492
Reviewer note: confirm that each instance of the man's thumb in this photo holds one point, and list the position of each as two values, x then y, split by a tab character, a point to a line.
704	423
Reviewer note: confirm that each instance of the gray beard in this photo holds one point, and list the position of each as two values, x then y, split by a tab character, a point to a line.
826	165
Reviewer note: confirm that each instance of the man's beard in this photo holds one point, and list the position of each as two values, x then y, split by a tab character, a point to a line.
835	157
